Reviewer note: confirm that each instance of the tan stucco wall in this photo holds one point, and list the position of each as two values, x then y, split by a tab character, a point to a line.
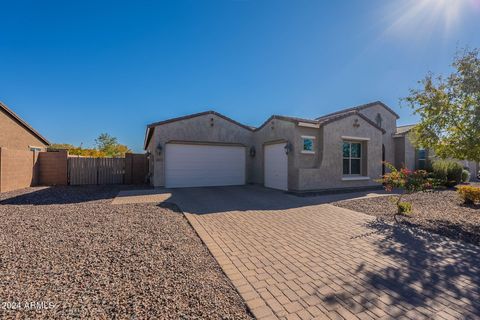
197	129
389	124
14	136
18	169
399	143
410	161
328	173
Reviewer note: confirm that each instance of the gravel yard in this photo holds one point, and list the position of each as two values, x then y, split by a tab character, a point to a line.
77	256
442	212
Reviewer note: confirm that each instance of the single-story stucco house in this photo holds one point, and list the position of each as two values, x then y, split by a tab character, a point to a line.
342	150
16	134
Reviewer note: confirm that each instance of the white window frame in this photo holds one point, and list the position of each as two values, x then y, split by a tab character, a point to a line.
313	144
36	149
350	174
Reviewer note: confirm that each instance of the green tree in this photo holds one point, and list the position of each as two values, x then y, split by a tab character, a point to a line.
109	145
449	110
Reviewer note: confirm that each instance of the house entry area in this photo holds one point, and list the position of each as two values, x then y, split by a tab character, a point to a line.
204	165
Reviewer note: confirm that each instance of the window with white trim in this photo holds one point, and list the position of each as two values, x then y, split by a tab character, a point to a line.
308	144
352	158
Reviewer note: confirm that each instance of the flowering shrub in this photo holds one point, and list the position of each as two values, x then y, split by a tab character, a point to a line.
407	180
469	194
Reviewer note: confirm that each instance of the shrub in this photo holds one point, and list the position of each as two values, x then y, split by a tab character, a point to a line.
408	181
404	208
450	172
469	194
465	175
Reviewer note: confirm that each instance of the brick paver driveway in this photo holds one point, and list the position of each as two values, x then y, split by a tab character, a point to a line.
292	257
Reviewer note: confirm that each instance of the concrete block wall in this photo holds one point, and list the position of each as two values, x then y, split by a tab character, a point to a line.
18	169
53	168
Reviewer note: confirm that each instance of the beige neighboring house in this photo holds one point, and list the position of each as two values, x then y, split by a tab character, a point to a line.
406	155
16	134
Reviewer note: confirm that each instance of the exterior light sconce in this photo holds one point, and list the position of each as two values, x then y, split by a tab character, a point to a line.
288	148
252	151
273	125
159	149
148	154
211	122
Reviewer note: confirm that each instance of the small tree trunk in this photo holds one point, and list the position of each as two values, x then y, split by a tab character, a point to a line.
398	209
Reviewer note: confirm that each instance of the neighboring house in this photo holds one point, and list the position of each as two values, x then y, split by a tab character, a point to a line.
16	134
19	151
343	150
406	155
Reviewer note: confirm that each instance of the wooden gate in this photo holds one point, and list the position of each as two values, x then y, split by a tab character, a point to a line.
96	170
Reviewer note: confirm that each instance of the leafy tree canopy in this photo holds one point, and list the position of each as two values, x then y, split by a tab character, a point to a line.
449	109
106	146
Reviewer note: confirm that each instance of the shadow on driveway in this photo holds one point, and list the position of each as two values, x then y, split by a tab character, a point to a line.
433	276
208	200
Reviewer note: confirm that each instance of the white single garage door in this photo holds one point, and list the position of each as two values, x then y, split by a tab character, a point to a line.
276	166
204	165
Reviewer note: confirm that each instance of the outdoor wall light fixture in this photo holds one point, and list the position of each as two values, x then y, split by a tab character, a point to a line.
159	149
211	122
252	151
288	147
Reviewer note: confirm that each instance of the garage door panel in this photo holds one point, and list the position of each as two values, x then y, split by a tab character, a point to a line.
276	166
204	165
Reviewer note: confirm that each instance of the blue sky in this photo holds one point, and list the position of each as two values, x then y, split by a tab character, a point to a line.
74	69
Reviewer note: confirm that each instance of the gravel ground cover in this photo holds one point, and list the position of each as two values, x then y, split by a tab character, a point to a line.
72	254
441	212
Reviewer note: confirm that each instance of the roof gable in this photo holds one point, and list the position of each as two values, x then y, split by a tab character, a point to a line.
359	108
151	127
22	123
348	114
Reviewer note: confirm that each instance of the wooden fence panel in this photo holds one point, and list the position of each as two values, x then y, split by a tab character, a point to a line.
111	170
82	171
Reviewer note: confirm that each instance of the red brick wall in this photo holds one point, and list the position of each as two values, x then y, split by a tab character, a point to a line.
52	168
18	169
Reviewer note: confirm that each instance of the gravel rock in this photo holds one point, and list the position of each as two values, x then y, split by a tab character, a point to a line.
68	246
441	212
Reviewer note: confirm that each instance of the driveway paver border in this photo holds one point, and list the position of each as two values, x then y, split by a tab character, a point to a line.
254	302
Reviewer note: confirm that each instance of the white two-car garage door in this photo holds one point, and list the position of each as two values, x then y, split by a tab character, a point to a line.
198	165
